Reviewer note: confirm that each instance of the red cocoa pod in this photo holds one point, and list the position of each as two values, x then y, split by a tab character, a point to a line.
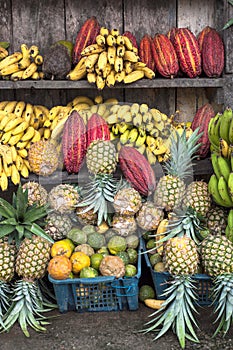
201	120
86	36
213	55
201	36
97	129
165	57
171	34
145	51
188	52
131	37
137	170
74	142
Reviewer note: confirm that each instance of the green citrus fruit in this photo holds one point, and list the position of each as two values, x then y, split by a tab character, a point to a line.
117	244
133	255
159	267
132	241
155	258
124	256
103	250
130	270
96	240
146	292
77	236
96	260
88	272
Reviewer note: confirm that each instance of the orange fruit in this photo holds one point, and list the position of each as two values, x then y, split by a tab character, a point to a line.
79	260
60	267
62	247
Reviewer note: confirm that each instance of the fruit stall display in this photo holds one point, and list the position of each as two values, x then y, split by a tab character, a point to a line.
137	162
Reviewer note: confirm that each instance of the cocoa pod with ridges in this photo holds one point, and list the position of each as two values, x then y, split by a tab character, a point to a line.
188	52
201	120
201	36
74	142
165	57
171	34
137	170
145	51
86	36
213	54
97	129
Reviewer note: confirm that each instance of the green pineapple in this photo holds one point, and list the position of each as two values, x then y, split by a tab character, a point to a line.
58	225
127	201
22	223
197	197
101	157
216	220
178	169
217	259
181	260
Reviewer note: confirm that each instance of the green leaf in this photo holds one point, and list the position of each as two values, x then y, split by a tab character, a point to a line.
228	24
6	230
35	213
6	209
20	230
21	202
9	221
38	231
230	2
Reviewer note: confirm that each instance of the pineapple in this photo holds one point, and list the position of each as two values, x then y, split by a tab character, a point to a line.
178	171
37	194
101	157
124	225
197	196
217	259
63	198
149	216
176	312
22	224
58	225
88	217
217	220
127	201
43	157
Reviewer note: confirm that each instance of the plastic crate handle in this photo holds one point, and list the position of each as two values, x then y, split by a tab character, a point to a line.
128	289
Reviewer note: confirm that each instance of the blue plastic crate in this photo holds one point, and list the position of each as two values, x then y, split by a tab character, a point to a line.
161	282
100	293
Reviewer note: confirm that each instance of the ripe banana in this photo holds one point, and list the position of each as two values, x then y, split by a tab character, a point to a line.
110	80
133	76
15	175
131	56
39	60
13	123
150	156
15	138
104	31
223	147
24	171
110	40
33	51
141	139
20	128
100	40
13	68
111	54
100	82
119	77
3	181
94	48
91	60
19	108
13	153
11	59
102	60
137	120
124	137
133	134
118	64
28	135
128	43
77	73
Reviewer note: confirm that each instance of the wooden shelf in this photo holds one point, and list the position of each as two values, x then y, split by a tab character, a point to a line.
143	83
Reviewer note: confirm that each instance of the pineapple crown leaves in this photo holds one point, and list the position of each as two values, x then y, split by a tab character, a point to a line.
184	222
176	311
19	219
182	153
98	194
222	296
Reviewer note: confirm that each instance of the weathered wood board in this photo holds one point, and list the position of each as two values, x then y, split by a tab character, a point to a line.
53	20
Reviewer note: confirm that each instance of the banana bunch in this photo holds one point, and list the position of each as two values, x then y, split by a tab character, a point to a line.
220	133
21	124
229	227
142	127
220	184
111	59
13	165
3	49
84	105
23	64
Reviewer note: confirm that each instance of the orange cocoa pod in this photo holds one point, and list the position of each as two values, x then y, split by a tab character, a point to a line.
171	34
213	54
201	36
86	36
165	57
145	51
188	52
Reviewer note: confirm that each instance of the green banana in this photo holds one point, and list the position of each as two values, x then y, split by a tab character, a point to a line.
230	135
226	119
213	130
230	219
224	192
215	166
224	167
213	190
230	184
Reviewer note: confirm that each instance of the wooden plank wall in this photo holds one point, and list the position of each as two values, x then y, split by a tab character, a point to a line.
53	20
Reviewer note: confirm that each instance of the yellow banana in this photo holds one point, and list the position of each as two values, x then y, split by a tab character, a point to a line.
3	181
112	119
29	71
122	127
111	53
47	123
120	50
22	144
45	110
91	60
21	127
130	56
118	64
54	111
114	32
104	31
24	171
101	109
35	76
93	48
150	156
79	99
120	40
39	60
23	152
133	76
91	78
3	105
25	51
102	60
28	111
98	99
5	120
77	74
134	108
141	139
100	82
119	77
15	138
110	80
133	135
56	132
224	147
7	168
19	108
12	124
15	175
1	165
11	59
149	73
13	153
3	53
47	134
13	68
5	137
121	112
24	63
137	119
128	43
128	67
28	135
36	137
110	40
33	51
81	106
124	137
142	148
156	115
100	40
